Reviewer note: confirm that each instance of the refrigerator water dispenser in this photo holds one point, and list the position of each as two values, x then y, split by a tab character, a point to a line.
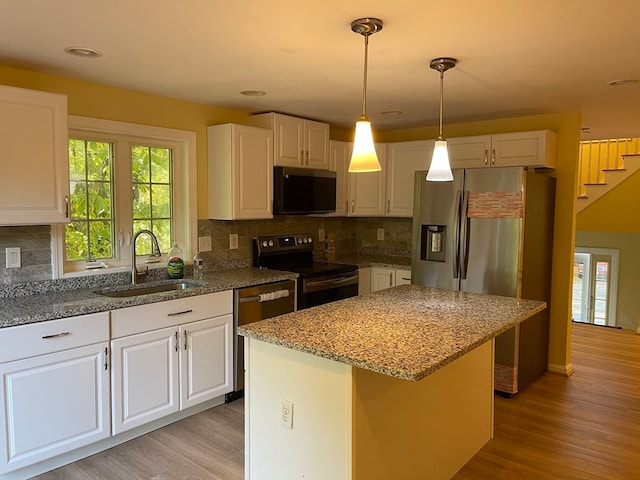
433	244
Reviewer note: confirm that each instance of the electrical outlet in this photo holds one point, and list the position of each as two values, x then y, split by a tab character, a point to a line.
321	235
286	413
204	244
381	234
13	257
233	241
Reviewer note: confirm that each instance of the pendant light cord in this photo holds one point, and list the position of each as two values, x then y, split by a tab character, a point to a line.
441	101
364	83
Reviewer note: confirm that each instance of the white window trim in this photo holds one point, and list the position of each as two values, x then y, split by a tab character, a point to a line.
185	175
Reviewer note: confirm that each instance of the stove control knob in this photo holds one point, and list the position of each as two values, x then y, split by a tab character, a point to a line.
309	240
271	243
304	240
264	243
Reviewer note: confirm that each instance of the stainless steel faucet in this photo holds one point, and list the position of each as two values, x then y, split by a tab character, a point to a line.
155	253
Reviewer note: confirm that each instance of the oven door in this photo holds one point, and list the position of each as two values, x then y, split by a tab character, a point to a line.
329	288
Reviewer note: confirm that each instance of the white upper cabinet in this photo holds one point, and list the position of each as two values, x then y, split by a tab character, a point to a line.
34	185
340	154
366	190
240	172
519	149
297	142
403	159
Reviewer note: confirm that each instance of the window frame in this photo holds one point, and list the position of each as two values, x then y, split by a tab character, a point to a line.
185	198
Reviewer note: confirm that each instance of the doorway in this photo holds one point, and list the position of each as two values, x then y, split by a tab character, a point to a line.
595	282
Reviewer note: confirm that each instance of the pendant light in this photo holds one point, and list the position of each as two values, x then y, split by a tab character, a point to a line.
364	158
440	169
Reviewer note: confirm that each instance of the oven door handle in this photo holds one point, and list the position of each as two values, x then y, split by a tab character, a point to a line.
327	283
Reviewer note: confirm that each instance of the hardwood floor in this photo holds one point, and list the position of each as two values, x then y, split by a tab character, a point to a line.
586	426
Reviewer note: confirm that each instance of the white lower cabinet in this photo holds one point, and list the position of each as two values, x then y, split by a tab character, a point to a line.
145	378
364	281
159	372
385	277
56	399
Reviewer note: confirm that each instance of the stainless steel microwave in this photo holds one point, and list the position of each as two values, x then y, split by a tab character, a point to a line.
303	191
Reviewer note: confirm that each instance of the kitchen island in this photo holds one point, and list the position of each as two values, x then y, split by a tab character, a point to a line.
396	384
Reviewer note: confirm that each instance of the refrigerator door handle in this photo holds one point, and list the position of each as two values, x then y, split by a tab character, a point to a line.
464	242
456	236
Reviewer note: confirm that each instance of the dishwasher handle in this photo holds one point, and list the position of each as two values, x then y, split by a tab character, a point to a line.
266	297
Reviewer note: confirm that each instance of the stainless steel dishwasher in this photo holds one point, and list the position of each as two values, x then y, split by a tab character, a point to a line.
252	304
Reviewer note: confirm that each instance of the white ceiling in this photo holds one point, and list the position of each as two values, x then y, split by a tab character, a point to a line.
516	57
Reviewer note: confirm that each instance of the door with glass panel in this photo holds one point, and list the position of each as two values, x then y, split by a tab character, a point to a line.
594	281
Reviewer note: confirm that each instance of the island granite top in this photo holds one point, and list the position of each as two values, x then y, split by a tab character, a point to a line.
40	307
407	332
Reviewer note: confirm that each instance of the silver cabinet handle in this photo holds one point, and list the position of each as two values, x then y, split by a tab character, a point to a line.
486	156
185	339
353	207
177	342
66	206
56	335
301	157
173	314
493	156
388	206
106	358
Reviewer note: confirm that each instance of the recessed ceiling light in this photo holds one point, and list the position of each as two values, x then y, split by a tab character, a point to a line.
253	93
391	113
619	83
83	52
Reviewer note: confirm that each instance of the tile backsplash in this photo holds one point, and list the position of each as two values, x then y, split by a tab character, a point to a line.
35	252
353	235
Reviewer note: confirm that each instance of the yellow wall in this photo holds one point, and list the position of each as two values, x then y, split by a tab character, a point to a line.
100	101
567	126
616	211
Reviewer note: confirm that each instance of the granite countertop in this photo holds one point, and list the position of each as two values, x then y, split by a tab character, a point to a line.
406	332
369	260
39	307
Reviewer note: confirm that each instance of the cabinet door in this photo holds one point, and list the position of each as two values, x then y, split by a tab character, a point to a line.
240	176
382	278
253	173
316	144
532	149
288	141
366	190
144	378
403	159
340	156
52	404
34	185
206	366
403	277
364	281
469	152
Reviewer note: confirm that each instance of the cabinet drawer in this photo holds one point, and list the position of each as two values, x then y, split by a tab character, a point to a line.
24	341
144	318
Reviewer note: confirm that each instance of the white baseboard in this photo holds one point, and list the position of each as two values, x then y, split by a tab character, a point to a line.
566	370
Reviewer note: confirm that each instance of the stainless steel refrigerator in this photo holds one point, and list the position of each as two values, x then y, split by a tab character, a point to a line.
491	231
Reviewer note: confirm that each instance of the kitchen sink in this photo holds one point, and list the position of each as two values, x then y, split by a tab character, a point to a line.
135	290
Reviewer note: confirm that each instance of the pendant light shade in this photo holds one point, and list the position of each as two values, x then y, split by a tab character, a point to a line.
364	157
440	168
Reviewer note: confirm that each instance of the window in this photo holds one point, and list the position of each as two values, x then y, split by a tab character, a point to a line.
125	177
